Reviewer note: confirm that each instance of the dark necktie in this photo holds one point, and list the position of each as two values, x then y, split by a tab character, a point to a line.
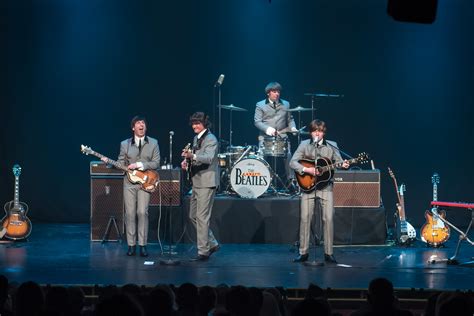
274	105
140	145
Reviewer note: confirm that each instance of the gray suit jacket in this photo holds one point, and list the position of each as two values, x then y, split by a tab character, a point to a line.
149	154
205	168
307	150
266	116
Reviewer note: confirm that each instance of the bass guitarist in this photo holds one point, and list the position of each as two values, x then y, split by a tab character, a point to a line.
139	152
313	149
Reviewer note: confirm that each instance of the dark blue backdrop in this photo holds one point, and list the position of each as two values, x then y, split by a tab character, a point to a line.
76	71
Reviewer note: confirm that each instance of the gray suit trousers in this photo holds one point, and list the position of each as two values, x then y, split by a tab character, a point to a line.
133	210
325	199
200	212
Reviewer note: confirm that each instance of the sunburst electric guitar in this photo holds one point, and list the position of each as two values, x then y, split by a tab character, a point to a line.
16	225
308	182
147	178
406	233
434	232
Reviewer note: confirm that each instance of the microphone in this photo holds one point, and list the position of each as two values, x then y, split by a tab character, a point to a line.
219	81
171	133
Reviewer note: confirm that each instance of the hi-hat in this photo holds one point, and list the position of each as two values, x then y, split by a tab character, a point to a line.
299	109
231	107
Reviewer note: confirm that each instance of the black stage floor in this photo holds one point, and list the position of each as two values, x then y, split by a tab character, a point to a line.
63	254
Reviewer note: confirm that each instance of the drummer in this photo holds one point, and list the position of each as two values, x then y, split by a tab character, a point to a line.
272	119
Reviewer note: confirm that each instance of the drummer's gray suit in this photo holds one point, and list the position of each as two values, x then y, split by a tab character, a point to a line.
276	115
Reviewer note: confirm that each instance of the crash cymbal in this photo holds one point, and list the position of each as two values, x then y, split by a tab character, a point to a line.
231	107
299	109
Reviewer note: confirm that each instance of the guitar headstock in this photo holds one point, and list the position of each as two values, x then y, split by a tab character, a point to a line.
86	150
435	178
16	170
187	147
363	158
390	172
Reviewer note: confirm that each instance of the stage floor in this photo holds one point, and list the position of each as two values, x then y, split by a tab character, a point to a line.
63	254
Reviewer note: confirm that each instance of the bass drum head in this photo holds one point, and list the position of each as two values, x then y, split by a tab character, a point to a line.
250	177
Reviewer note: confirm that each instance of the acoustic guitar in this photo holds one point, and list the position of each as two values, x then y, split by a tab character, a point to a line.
308	182
148	178
16	225
434	232
406	233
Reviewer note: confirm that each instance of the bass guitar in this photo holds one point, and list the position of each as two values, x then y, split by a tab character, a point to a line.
406	233
308	182
148	178
434	232
16	225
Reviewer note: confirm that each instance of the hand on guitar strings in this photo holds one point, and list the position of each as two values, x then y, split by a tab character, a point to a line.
345	164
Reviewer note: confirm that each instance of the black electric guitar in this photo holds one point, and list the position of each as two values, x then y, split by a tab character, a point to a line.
434	232
406	233
16	225
148	178
308	182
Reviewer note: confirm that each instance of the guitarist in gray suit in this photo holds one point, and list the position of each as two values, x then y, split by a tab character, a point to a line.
312	149
138	152
202	163
272	119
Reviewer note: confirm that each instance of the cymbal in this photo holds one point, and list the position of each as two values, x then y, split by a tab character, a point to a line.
231	107
299	109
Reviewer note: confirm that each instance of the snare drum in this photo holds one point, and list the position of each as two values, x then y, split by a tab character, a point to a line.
250	177
275	146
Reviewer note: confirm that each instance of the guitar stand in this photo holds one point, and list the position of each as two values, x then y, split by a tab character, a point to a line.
111	221
462	236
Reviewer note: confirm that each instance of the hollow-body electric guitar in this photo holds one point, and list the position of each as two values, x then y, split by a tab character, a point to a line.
16	225
434	232
147	178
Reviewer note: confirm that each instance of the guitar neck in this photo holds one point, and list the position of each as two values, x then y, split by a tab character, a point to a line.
435	192
115	163
16	197
401	209
337	165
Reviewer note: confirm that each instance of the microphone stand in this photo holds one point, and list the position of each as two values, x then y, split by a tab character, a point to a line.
315	263
220	110
171	151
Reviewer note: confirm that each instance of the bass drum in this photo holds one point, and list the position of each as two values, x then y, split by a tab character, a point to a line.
250	177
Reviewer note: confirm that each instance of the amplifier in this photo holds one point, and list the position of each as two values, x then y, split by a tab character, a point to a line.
106	203
99	168
169	188
357	188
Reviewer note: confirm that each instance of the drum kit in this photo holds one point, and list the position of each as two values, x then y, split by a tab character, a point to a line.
250	171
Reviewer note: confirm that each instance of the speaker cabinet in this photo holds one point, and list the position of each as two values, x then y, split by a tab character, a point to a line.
106	203
357	188
168	192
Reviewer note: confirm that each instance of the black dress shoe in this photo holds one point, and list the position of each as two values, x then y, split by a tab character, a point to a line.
214	249
131	251
200	258
143	252
301	258
329	258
